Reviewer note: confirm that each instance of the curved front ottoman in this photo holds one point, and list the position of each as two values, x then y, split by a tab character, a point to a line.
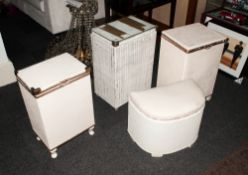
166	119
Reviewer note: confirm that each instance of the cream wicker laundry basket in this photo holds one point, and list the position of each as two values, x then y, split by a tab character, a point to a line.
58	98
123	55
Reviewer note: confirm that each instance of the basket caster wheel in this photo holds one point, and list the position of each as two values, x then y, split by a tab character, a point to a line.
91	131
54	153
156	155
208	98
190	145
38	139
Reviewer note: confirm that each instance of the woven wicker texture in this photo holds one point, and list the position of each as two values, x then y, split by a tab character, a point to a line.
124	68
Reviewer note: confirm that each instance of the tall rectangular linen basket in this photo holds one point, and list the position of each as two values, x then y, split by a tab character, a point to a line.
58	98
190	52
123	56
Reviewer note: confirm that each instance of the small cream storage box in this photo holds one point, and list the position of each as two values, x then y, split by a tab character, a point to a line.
190	52
123	55
58	98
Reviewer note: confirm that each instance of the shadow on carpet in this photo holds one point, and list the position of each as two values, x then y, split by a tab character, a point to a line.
234	164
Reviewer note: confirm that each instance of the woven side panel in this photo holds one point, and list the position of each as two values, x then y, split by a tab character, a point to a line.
102	68
120	70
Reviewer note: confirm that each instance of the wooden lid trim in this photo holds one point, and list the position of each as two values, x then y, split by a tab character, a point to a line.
37	92
208	46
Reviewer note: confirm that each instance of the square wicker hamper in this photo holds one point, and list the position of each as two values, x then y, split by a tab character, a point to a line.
123	56
58	98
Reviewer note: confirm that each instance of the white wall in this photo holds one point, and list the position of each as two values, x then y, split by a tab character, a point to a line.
201	6
101	10
162	13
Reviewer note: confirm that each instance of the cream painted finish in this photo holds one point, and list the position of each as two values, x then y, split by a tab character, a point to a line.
167	133
201	65
64	113
7	70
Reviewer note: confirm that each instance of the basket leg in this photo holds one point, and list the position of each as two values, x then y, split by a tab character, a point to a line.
208	98
38	138
91	131
54	153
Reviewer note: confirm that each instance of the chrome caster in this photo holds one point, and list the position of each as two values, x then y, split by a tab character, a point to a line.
38	139
91	131
54	153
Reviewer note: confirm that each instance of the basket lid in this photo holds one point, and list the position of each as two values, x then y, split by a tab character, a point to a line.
123	28
193	36
51	72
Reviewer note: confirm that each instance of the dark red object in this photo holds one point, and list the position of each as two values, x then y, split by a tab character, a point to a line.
231	16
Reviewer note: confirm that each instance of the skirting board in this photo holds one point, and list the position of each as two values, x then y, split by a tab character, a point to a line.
7	73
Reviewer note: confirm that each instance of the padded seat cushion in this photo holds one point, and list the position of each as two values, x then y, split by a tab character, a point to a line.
169	102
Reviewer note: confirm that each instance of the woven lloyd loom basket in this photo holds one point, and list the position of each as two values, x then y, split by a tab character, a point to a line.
123	56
